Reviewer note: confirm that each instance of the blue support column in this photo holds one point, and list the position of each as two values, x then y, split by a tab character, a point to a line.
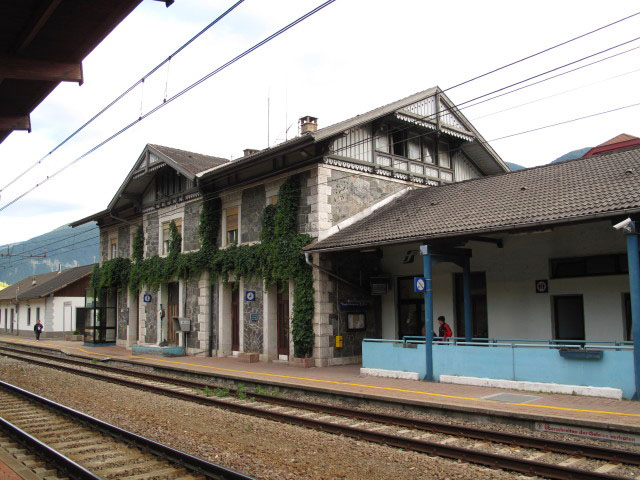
634	289
428	311
468	314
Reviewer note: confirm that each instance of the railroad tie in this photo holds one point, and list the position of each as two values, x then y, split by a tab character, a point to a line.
607	467
571	461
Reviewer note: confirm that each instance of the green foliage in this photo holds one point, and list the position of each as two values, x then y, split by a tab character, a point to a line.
138	245
241	392
277	258
221	392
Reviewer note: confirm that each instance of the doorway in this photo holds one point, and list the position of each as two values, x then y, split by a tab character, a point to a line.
568	317
480	326
67	318
173	310
283	319
410	309
235	319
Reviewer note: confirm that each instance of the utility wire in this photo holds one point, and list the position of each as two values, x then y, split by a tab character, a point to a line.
540	52
126	92
318	157
171	99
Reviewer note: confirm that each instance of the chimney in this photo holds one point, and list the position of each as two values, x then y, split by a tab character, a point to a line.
308	124
250	151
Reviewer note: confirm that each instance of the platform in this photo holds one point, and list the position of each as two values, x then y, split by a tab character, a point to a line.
592	412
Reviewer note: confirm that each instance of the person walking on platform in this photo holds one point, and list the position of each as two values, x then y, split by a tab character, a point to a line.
444	331
37	328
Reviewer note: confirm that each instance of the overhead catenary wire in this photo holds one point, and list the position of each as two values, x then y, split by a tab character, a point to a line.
125	93
172	98
316	158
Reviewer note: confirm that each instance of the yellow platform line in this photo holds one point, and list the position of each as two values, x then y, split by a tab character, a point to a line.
335	382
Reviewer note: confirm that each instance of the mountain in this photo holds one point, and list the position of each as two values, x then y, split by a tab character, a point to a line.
514	166
572	155
65	247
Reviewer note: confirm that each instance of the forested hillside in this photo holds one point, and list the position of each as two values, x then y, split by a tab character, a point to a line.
65	246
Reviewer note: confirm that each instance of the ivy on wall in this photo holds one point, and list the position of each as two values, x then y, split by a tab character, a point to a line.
277	258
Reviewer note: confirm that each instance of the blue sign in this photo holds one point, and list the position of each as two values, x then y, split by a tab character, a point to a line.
419	284
249	296
146	298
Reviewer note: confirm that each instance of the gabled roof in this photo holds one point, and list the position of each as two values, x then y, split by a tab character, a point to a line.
479	149
190	162
601	186
24	285
56	282
623	140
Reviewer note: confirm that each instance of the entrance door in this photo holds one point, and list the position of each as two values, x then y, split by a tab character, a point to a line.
410	309
283	320
12	320
235	319
478	305
80	320
569	317
173	308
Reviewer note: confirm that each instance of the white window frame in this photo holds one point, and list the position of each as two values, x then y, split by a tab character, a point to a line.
167	219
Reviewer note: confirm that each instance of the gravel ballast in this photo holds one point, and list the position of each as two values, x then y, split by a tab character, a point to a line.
253	446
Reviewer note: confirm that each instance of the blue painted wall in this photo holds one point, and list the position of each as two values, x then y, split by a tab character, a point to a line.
615	369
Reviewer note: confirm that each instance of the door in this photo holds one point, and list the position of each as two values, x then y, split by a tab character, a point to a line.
410	309
568	317
283	320
235	319
173	308
12	320
80	320
480	325
66	318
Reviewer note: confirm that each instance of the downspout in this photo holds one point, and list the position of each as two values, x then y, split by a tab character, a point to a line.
307	258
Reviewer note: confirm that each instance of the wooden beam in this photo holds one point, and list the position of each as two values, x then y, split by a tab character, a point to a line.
15	122
30	69
36	24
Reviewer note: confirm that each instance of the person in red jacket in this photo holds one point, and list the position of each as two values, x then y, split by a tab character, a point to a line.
444	331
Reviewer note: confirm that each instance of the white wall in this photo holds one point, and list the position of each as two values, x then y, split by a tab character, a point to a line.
514	308
58	312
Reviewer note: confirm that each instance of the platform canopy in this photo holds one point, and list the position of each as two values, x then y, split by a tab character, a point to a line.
43	43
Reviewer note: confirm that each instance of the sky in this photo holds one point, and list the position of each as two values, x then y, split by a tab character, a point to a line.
351	57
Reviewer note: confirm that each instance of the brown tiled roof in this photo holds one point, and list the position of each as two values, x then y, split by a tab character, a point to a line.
25	285
56	282
604	185
190	161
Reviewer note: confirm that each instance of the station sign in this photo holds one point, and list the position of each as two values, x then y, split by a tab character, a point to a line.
249	296
146	298
419	284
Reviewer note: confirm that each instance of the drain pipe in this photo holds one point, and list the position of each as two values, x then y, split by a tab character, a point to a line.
307	258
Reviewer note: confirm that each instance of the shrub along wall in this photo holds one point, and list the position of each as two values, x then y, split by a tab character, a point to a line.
278	257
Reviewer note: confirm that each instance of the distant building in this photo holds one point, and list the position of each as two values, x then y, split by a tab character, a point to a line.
57	299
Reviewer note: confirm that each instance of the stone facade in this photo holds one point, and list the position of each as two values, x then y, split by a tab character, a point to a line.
350	194
150	318
192	309
122	314
254	201
124	242
190	236
253	327
150	226
104	247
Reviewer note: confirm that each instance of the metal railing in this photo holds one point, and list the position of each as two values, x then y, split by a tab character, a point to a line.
515	343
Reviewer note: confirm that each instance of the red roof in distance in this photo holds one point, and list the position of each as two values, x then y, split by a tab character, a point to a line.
623	140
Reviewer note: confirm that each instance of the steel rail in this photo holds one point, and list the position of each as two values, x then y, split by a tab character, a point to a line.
494	460
549	445
194	464
60	462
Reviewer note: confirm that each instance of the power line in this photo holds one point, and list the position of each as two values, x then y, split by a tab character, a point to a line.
541	52
318	157
126	92
174	97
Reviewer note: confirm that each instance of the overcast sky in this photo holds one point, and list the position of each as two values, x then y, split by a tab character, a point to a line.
351	57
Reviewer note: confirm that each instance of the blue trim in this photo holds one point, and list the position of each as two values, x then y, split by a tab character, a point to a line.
634	291
428	314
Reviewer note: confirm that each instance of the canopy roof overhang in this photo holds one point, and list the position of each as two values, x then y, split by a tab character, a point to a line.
43	43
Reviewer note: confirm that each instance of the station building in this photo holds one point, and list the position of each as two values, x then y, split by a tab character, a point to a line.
57	299
526	260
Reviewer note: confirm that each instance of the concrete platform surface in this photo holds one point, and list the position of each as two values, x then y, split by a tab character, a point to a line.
620	415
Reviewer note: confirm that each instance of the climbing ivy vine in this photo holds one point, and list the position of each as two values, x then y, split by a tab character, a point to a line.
277	258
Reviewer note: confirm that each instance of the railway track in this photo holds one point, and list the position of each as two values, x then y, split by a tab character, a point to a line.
525	454
55	441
